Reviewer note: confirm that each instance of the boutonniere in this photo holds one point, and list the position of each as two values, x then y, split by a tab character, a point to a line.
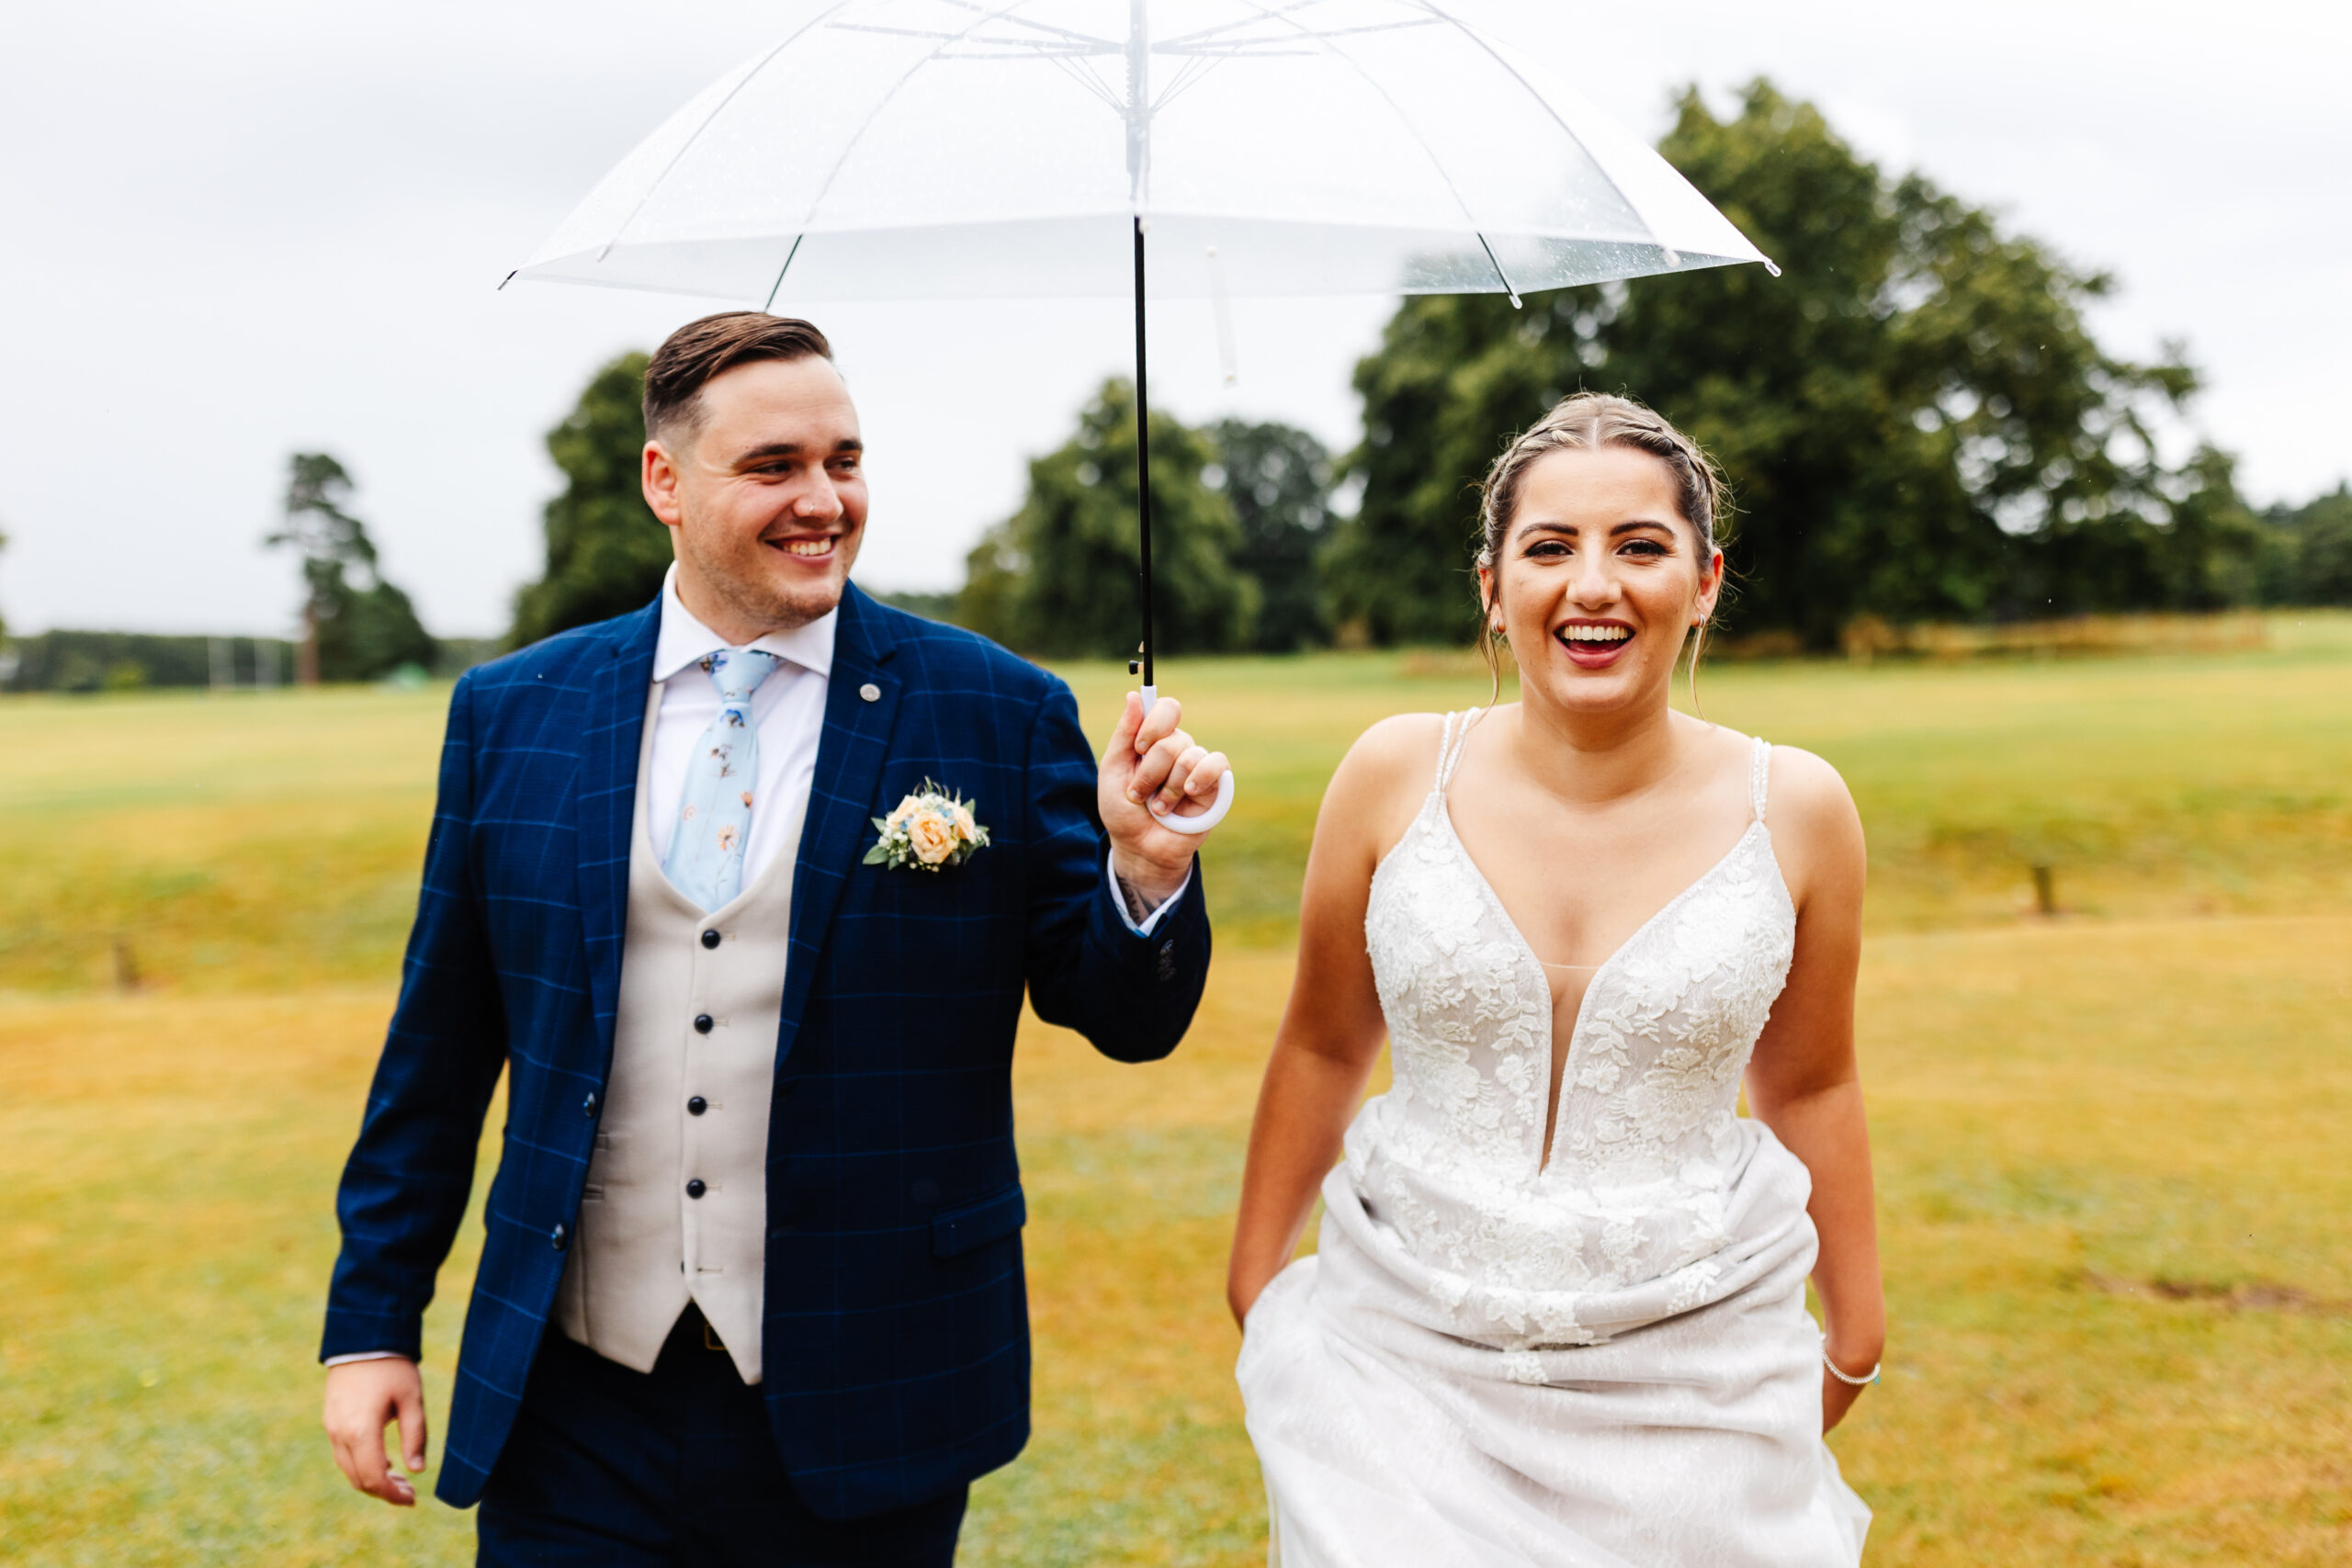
926	830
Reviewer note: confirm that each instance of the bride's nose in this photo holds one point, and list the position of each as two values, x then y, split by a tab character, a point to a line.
1594	580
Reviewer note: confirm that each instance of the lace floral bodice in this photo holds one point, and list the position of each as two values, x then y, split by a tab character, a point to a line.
1451	1161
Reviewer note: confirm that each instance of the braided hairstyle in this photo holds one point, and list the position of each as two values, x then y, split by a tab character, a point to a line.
1587	421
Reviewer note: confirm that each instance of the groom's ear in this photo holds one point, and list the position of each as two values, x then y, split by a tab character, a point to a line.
657	477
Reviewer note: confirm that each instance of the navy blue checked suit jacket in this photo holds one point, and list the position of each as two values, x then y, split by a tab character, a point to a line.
896	1353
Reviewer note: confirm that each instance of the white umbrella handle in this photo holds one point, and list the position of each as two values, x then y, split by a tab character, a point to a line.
1216	813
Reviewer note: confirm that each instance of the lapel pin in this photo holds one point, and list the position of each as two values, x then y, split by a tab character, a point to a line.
870	691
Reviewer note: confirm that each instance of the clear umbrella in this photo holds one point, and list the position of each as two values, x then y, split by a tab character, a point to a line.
930	149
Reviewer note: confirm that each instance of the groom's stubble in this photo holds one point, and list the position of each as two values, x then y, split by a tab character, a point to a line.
760	477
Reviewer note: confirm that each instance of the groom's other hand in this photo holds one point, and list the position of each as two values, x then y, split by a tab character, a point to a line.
363	1398
1150	769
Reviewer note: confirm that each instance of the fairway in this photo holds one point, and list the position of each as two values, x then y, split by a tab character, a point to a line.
2109	1143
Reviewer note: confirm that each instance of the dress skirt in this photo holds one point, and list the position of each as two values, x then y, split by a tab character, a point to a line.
1393	1434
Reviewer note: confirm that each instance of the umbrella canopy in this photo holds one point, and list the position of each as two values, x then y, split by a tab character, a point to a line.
944	149
928	149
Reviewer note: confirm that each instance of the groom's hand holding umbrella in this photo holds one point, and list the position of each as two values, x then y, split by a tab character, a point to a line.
1153	770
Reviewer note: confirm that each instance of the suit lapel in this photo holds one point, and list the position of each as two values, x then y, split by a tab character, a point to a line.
608	801
850	754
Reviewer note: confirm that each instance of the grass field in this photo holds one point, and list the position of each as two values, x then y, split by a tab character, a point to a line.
2109	1143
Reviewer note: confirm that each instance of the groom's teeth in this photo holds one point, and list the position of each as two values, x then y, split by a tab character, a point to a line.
808	547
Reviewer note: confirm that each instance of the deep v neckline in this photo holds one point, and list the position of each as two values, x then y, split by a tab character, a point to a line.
1555	1068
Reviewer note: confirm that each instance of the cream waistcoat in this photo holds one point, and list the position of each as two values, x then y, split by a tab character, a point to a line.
646	1246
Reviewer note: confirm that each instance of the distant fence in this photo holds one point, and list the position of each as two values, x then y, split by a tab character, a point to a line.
120	661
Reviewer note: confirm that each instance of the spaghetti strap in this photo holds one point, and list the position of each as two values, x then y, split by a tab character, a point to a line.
1450	746
1759	775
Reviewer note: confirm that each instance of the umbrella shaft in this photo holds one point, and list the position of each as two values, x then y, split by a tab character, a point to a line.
1142	454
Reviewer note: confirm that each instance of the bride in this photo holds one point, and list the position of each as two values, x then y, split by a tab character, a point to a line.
1557	1313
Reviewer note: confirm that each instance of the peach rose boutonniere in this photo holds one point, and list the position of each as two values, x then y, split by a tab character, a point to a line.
928	829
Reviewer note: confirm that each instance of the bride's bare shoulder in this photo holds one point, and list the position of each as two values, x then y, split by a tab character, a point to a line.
1381	783
1396	756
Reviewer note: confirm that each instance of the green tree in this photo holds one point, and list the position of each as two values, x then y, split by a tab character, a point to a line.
1915	416
1278	480
605	552
351	631
1060	576
2306	552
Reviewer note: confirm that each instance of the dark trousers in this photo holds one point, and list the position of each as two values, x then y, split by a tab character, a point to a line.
677	1467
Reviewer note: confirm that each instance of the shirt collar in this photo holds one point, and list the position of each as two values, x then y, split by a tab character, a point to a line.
684	639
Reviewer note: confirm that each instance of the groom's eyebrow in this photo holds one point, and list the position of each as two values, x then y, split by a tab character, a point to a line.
768	449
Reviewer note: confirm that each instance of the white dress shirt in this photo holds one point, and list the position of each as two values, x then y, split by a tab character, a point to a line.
788	714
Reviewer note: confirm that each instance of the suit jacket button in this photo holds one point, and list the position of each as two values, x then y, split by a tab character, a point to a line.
696	1105
560	1237
695	1189
701	1023
588	1106
710	939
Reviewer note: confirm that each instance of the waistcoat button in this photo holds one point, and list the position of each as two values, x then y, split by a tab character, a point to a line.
588	1106
696	1105
710	939
695	1189
701	1023
560	1237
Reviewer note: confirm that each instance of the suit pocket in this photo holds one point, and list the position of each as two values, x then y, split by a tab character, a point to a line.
976	1225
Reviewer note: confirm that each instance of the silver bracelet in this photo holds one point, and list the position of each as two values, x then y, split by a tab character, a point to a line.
1839	1375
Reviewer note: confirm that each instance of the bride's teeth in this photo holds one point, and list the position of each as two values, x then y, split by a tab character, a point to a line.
1597	634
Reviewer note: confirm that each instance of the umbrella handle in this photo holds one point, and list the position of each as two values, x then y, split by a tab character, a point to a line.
1217	808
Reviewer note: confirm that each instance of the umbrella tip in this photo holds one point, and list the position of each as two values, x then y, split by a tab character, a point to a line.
1771	267
1516	304
504	281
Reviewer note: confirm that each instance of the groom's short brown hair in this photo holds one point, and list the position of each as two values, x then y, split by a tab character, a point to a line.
701	350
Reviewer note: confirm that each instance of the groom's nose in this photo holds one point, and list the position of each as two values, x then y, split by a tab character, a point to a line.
817	500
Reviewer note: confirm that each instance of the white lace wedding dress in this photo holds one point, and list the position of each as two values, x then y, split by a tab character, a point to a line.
1604	1361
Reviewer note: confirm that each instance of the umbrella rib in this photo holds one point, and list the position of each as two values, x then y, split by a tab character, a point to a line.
717	109
884	102
769	306
1107	46
1085	76
1673	257
1492	260
1374	83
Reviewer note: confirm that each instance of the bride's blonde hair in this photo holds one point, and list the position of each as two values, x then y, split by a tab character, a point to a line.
1587	421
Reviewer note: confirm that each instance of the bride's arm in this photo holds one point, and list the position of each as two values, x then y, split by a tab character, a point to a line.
1331	1031
1803	1082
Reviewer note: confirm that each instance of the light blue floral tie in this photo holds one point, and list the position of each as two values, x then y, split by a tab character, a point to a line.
705	859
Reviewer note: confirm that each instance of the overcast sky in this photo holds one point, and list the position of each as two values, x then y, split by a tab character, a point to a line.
234	230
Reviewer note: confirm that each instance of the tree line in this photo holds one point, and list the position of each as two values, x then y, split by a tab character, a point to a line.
1918	421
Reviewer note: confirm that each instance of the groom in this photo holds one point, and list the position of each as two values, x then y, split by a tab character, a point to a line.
751	1288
